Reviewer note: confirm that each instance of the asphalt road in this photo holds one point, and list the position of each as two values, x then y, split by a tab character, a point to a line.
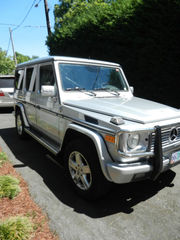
137	211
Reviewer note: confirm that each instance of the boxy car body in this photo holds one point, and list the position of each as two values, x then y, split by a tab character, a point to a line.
84	112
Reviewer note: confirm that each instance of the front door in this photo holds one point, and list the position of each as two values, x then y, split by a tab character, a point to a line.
47	107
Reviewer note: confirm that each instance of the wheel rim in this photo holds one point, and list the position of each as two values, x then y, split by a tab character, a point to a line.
19	125
80	170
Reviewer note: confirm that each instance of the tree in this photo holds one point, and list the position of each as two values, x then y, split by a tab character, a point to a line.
142	35
23	58
7	65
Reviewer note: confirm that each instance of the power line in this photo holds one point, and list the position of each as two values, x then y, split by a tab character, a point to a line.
24	17
8	24
38	3
15	25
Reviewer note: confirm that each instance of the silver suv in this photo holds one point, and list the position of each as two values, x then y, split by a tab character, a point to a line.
84	112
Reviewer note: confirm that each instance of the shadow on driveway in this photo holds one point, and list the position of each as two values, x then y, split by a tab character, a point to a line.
122	198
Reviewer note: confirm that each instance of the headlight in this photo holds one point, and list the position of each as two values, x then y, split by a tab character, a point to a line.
133	140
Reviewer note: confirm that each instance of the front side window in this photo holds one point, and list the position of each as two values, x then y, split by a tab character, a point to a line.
89	77
46	76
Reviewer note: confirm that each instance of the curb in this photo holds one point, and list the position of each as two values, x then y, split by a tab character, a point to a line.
39	192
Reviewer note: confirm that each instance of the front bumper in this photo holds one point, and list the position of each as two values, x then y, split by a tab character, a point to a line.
125	173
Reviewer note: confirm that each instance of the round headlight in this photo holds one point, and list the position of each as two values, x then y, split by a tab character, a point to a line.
133	140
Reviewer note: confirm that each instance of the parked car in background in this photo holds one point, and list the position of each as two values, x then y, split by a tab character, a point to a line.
84	112
6	90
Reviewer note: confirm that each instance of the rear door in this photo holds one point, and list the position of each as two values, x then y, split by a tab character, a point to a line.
30	95
48	106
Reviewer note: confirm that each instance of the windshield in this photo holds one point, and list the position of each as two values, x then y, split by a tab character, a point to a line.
87	77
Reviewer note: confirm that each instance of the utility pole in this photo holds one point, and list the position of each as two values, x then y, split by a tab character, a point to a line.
14	53
47	17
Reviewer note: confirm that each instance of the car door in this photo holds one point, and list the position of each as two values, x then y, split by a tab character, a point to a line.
47	103
30	96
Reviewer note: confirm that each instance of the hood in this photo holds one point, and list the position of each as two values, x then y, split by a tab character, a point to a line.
133	108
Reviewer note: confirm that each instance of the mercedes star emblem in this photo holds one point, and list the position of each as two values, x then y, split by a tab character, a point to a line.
173	134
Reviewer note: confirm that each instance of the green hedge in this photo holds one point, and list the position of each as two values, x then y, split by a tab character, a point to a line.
142	35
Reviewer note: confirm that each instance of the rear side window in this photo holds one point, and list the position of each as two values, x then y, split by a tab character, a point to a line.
6	82
19	74
29	72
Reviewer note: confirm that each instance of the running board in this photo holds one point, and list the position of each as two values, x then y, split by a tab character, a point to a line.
55	150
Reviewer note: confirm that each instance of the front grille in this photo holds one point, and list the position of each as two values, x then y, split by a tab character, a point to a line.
165	135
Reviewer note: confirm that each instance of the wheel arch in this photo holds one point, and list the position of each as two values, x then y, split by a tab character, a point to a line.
19	107
75	132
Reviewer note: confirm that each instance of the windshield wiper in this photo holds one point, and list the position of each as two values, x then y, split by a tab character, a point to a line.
75	89
90	93
114	92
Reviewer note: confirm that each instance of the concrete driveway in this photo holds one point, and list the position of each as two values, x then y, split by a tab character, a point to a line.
139	211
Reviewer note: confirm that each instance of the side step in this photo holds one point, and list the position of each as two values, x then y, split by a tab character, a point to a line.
55	149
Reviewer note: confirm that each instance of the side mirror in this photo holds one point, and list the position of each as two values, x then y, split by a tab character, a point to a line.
47	91
132	89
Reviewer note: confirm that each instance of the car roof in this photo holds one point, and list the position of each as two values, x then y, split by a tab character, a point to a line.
65	59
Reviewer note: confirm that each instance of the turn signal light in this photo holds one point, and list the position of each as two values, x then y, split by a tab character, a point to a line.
109	138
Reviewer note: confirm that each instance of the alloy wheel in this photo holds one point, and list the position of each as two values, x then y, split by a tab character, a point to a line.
80	170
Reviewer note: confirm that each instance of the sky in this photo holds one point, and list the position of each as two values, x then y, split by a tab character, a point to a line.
30	37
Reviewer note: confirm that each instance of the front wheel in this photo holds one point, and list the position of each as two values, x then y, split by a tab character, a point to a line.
83	169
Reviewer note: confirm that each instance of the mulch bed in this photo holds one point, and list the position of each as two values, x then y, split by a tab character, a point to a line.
22	204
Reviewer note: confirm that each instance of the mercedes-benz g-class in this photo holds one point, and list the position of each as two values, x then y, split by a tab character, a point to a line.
84	112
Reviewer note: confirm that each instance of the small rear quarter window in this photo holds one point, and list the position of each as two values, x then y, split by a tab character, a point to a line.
29	72
19	74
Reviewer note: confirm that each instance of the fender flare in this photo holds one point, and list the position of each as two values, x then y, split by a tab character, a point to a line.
103	155
21	107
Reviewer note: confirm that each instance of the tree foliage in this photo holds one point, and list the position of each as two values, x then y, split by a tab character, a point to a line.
23	58
6	64
142	35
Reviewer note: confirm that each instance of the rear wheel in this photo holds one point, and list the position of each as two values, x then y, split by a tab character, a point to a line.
20	125
83	169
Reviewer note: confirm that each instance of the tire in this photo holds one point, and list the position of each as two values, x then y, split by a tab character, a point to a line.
84	171
20	125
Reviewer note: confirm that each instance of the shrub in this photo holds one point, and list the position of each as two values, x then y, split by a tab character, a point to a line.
9	186
3	158
16	228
